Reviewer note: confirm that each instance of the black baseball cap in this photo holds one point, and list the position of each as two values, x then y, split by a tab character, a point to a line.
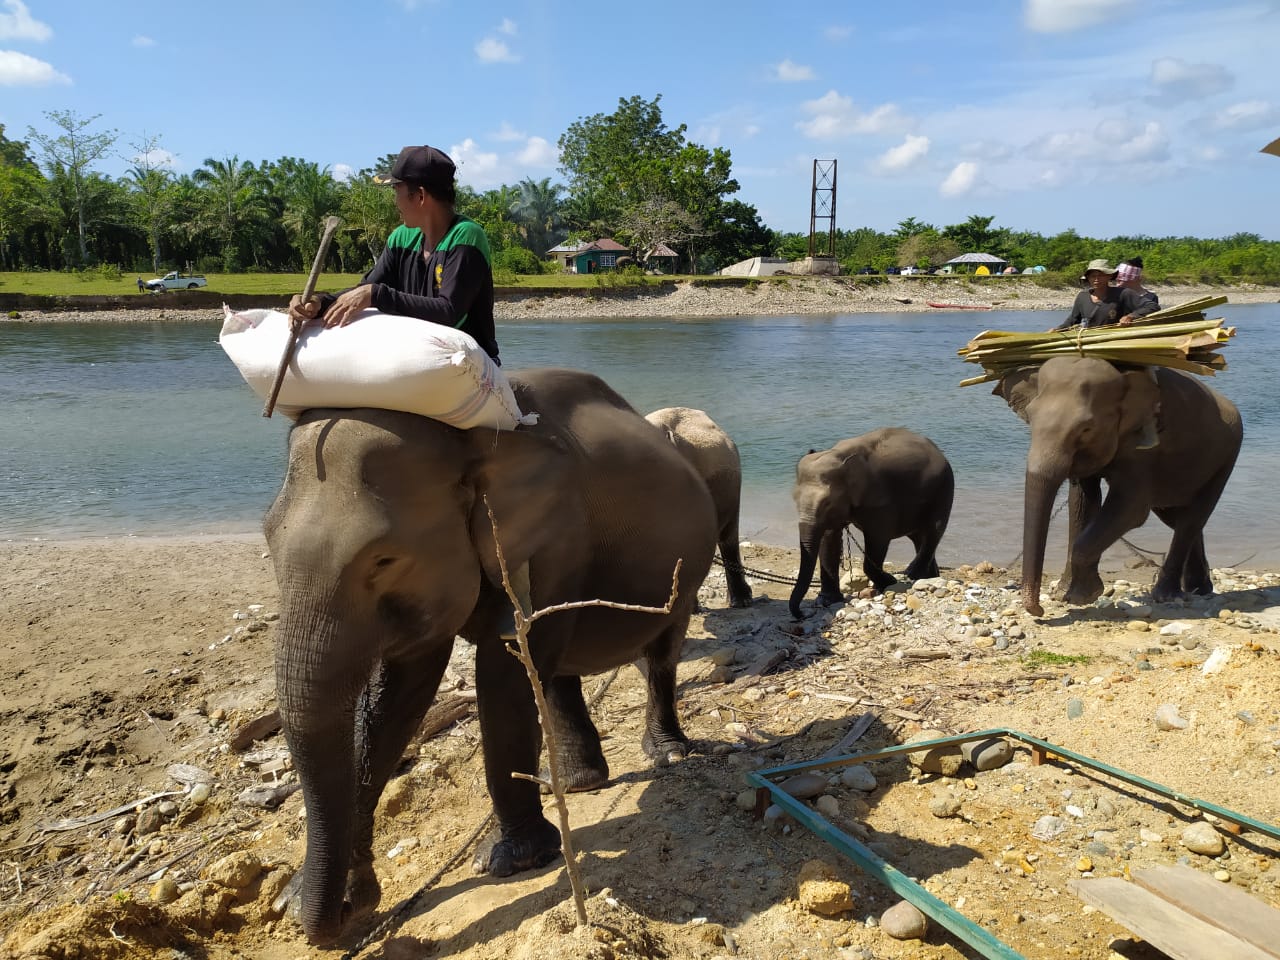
425	165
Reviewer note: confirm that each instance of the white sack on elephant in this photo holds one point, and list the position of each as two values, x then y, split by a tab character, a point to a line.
383	361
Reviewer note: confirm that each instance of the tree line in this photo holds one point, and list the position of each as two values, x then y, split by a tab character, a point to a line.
627	176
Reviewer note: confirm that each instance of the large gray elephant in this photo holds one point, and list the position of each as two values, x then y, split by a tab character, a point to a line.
714	455
1086	416
384	552
888	483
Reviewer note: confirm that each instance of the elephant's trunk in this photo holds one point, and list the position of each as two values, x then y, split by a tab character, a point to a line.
319	727
1041	488
809	540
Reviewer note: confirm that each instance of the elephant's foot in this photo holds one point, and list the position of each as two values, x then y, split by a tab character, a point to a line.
1032	605
825	599
922	569
740	598
666	749
882	581
501	856
1084	588
578	778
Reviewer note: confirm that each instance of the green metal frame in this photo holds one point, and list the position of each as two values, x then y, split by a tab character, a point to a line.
866	859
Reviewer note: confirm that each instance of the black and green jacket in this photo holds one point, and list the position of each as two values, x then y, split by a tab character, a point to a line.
452	287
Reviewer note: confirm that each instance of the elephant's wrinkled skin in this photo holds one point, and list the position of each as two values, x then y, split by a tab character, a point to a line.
384	552
1086	416
714	455
888	483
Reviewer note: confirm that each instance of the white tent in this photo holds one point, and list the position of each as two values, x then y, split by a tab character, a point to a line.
976	258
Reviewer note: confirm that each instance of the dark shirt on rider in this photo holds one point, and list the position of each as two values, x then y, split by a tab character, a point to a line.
1119	302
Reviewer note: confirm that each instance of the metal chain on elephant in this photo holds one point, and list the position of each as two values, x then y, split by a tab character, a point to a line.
397	915
770	577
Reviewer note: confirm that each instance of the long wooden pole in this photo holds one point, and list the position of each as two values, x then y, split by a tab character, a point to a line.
330	227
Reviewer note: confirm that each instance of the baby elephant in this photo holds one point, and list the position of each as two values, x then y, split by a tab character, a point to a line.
714	457
888	483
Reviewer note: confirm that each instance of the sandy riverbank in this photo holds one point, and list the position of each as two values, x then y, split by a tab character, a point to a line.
797	295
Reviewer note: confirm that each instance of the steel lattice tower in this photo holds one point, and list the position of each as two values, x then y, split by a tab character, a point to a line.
822	207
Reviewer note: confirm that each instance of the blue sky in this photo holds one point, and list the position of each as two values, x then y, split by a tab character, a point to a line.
1108	116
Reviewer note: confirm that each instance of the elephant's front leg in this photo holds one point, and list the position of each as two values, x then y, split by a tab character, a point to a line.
1084	500
387	716
512	740
830	550
1121	512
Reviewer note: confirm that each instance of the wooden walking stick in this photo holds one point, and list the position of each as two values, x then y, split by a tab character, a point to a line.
330	227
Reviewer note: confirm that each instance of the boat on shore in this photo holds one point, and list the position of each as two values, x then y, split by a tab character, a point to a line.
958	306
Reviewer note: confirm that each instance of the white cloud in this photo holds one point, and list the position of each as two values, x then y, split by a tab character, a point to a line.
837	33
751	129
834	116
342	172
18	24
142	41
960	180
1177	81
19	70
904	156
538	152
1063	16
1065	145
1207	154
493	50
475	167
508	26
1248	115
507	133
789	72
1147	145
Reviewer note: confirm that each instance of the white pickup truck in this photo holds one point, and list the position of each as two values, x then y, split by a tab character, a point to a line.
173	280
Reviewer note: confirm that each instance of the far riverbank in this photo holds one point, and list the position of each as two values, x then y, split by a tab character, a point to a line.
692	299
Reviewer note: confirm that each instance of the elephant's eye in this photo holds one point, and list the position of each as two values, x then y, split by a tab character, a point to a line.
384	562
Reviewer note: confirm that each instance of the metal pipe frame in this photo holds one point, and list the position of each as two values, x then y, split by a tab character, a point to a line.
870	862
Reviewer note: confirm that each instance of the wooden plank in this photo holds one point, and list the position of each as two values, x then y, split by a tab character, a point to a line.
1220	904
1161	924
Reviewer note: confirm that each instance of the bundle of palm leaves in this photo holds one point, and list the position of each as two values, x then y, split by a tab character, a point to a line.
1180	337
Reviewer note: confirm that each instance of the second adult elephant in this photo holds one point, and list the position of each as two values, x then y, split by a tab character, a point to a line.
888	483
1086	416
384	552
714	455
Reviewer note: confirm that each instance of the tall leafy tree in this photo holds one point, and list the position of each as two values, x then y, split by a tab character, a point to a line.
72	153
235	205
739	236
369	214
149	182
974	235
537	211
309	195
621	164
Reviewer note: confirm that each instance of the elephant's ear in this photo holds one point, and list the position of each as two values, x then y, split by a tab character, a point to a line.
524	478
1018	387
1141	400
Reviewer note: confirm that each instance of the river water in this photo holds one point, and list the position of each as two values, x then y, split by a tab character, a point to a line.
147	429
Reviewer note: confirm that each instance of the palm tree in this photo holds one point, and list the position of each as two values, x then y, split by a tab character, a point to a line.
149	195
310	196
236	205
537	210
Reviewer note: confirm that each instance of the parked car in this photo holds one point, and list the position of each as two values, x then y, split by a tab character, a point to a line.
175	280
